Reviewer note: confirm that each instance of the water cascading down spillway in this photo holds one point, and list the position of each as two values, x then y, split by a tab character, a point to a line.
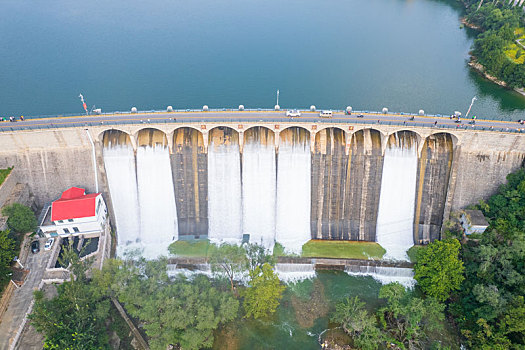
224	186
363	185
259	186
158	211
292	228
395	220
329	164
433	175
119	162
189	164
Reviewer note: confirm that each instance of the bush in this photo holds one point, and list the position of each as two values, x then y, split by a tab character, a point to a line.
21	218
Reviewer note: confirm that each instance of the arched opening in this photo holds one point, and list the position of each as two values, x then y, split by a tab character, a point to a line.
151	137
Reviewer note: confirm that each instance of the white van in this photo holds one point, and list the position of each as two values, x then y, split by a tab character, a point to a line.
325	114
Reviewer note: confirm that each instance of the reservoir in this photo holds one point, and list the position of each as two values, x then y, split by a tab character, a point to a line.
402	54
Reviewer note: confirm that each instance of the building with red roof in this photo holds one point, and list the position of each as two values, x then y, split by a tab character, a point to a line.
75	213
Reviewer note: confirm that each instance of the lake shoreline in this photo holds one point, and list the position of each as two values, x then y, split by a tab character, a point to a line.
478	67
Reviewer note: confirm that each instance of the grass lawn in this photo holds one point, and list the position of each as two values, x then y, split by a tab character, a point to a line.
3	174
342	249
190	249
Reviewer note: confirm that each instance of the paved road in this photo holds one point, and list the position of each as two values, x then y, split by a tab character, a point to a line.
265	116
22	297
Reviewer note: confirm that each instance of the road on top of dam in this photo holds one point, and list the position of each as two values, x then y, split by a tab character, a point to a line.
215	116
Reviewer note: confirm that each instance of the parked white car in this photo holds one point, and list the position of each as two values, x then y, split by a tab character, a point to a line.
49	244
292	113
325	114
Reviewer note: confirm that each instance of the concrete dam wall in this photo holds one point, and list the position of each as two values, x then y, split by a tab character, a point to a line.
265	182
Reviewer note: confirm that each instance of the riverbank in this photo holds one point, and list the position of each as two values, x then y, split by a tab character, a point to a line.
487	25
480	69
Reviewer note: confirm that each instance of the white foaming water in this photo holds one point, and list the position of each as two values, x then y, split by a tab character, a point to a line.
224	194
292	228
385	274
158	226
119	162
395	219
294	272
258	193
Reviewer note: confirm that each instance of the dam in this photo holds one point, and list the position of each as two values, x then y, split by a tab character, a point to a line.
246	178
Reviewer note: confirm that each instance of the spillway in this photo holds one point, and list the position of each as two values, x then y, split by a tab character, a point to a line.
158	211
329	164
189	164
119	162
363	184
433	175
224	186
259	186
395	220
292	228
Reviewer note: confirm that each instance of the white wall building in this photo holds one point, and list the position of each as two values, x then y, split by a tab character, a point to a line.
75	213
473	221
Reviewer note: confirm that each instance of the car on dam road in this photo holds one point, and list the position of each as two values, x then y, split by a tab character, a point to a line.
325	114
293	113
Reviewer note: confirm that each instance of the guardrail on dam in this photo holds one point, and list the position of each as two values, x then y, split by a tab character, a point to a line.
293	179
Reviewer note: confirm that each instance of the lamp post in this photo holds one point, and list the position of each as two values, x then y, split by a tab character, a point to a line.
471	103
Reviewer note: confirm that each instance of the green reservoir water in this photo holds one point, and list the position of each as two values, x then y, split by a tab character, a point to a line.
402	54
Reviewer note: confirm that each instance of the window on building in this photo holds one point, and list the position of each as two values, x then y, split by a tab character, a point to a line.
98	205
60	221
66	230
76	229
70	220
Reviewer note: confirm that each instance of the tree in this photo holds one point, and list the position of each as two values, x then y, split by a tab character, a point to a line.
438	270
21	218
230	261
257	256
173	312
7	253
75	319
407	319
264	291
357	323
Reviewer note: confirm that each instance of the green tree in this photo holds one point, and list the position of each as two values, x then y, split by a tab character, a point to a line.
75	319
490	310
229	260
257	256
407	319
438	270
21	218
173	311
264	291
357	323
7	253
